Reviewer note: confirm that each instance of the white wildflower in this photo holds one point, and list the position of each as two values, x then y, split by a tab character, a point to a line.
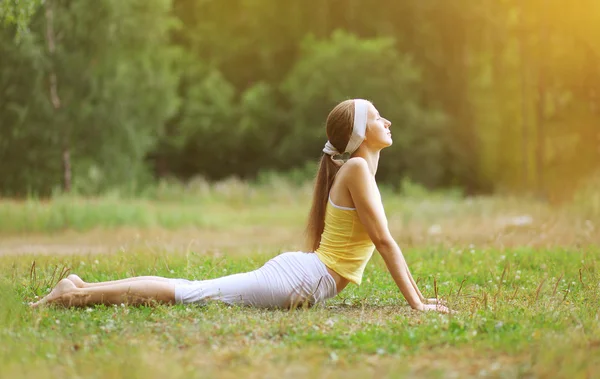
522	220
333	356
434	230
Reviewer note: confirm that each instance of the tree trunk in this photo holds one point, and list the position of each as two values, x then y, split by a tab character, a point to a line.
540	130
593	82
54	98
540	146
67	169
524	105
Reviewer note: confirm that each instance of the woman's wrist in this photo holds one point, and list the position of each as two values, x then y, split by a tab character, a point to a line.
418	306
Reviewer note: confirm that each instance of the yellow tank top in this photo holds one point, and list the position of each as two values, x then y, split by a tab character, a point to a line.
345	246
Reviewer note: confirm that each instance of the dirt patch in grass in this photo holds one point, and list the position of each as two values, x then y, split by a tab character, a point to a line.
246	240
495	231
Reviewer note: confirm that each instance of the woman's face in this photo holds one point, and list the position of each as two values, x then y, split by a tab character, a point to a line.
378	134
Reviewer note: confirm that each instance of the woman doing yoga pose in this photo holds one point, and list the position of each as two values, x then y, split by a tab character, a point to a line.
346	224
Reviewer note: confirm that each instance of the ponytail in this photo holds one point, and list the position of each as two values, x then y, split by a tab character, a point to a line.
339	129
316	218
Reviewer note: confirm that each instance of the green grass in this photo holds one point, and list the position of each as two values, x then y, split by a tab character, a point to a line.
243	205
221	205
521	312
523	276
276	199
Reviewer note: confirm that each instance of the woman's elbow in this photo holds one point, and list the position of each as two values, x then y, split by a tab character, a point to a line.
385	244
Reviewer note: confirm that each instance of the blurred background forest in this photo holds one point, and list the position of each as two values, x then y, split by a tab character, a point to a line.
484	95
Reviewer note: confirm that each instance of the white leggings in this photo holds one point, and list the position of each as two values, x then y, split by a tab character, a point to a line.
288	280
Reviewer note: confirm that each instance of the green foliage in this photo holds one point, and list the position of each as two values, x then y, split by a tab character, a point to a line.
485	96
22	145
347	67
104	60
18	13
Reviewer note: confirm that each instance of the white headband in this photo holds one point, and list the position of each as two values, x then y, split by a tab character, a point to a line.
361	108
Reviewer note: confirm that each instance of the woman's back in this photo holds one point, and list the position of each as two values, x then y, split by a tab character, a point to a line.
345	245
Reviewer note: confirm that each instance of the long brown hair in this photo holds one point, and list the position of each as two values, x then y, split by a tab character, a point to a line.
339	129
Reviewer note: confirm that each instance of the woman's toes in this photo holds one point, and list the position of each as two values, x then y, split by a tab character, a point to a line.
65	286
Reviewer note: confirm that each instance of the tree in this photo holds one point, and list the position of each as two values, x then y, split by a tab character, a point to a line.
110	71
18	13
344	67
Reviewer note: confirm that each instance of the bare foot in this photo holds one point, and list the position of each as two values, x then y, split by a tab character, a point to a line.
76	280
64	287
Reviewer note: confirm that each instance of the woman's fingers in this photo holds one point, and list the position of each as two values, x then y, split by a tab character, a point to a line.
438	308
436	301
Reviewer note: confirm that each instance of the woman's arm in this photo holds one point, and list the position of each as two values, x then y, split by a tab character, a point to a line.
414	284
396	264
423	298
367	201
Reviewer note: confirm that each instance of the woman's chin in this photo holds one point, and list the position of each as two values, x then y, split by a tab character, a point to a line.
385	146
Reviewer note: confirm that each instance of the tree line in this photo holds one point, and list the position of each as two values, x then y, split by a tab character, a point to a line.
484	95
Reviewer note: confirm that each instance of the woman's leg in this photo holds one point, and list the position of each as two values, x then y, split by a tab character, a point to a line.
288	280
81	284
133	293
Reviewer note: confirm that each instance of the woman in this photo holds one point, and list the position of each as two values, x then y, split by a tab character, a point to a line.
346	223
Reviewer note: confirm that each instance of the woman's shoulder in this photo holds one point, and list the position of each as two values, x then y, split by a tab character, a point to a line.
356	164
347	175
355	167
355	170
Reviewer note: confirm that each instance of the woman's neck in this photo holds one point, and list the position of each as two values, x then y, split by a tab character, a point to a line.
371	156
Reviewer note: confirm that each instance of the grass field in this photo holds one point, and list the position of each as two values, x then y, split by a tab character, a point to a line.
523	276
